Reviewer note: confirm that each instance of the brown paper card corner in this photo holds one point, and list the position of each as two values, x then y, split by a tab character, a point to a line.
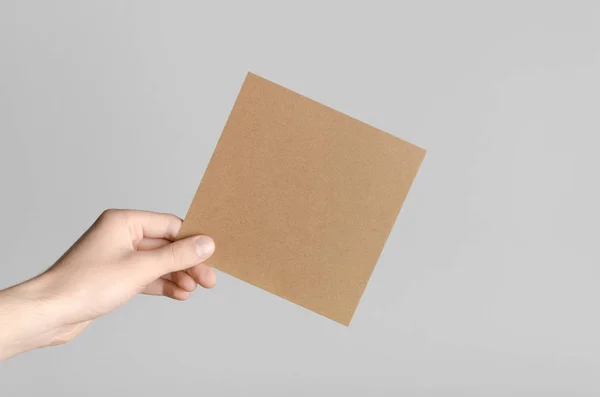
301	198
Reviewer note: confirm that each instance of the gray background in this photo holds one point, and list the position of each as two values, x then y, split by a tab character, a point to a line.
489	283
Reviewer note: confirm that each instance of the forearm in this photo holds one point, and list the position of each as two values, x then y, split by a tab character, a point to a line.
25	319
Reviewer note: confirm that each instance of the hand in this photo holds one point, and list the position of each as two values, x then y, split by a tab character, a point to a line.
124	253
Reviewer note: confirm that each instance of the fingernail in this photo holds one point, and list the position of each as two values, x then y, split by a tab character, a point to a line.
205	246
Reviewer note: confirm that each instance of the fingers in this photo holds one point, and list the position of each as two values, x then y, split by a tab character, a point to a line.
189	279
148	224
149	244
156	225
176	256
184	281
203	275
167	288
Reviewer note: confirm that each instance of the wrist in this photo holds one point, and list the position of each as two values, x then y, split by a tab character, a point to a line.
27	318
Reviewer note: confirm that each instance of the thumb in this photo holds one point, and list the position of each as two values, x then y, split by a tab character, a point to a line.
179	255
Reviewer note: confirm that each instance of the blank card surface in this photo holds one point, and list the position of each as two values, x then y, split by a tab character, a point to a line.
300	198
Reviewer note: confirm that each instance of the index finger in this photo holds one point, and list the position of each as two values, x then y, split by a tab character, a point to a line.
154	224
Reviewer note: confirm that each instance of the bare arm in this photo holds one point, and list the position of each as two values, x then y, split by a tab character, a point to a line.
124	253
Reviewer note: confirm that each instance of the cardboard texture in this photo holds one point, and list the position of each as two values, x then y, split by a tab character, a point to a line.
301	198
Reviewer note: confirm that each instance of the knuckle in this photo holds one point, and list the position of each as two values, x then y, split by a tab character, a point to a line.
114	217
110	215
174	254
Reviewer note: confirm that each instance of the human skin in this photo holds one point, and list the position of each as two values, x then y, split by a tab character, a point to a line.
124	253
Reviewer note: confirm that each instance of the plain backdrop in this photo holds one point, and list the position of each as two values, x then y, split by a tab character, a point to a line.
489	282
